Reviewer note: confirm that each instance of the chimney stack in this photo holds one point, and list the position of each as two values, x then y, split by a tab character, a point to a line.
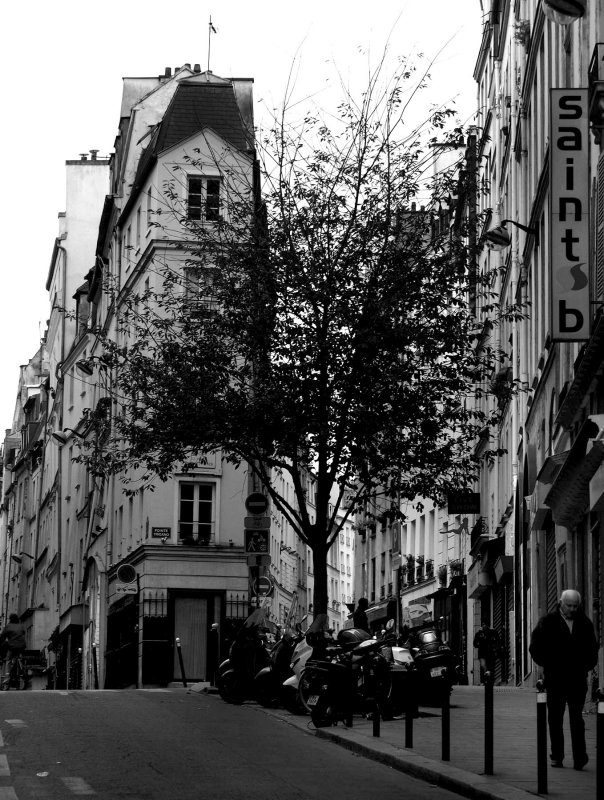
93	155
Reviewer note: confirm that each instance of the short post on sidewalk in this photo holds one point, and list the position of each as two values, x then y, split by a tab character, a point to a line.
488	722
446	725
600	744
410	708
181	662
376	718
541	738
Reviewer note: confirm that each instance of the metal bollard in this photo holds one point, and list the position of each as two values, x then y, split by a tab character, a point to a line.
541	738
446	726
376	718
488	723
600	744
180	661
410	708
95	667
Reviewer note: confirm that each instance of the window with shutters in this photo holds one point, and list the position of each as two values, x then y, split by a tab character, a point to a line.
196	505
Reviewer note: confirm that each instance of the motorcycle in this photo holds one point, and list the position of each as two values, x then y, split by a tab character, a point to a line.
271	682
434	661
316	643
353	678
248	654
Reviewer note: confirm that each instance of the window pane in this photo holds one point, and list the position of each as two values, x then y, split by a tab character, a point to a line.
194	198
212	200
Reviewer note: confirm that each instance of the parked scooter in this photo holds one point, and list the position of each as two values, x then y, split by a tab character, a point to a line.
270	683
434	661
318	642
355	679
248	654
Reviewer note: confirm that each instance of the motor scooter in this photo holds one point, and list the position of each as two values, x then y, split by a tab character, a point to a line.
354	680
317	642
270	682
434	661
248	654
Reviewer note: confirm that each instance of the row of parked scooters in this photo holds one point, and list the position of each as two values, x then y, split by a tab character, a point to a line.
311	671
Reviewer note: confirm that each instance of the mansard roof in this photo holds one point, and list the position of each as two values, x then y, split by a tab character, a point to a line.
195	106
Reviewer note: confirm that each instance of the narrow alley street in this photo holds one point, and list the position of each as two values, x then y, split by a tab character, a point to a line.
174	745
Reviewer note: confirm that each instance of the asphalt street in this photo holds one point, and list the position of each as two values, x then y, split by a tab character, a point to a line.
176	745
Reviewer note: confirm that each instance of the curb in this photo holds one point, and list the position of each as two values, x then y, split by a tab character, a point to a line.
467	784
445	776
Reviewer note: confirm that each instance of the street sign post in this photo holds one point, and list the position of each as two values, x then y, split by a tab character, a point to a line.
256	541
256	503
262	586
256	522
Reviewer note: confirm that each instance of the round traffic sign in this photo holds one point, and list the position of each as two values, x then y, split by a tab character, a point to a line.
263	586
256	503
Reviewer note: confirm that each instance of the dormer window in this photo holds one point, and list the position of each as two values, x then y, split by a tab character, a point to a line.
203	199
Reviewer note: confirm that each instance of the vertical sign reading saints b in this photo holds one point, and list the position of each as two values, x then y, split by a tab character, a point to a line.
569	214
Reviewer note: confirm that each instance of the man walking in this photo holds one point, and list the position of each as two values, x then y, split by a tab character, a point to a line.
564	644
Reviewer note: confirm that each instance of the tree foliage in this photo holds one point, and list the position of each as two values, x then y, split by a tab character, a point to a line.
325	327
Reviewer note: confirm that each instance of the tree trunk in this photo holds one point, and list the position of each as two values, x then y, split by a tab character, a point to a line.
320	595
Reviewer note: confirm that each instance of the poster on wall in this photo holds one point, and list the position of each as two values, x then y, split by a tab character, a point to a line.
569	214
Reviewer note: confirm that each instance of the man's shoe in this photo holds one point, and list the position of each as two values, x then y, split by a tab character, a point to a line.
581	763
556	763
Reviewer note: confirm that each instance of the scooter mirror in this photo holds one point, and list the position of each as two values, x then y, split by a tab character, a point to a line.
390	625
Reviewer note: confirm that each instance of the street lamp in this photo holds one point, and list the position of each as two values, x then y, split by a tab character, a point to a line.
563	12
19	558
498	238
61	437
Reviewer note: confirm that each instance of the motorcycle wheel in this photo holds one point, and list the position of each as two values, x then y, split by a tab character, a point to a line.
305	690
229	689
292	702
323	714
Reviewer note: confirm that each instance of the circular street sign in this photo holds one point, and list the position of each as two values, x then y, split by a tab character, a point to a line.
263	586
256	503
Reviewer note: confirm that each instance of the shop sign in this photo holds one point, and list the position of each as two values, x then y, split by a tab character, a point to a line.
569	214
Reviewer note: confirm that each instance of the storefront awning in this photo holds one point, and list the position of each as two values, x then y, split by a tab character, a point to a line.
381	611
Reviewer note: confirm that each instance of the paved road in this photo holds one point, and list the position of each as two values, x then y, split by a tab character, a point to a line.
176	745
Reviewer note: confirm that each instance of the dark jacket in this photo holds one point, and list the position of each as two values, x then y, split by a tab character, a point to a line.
487	642
565	657
13	636
359	620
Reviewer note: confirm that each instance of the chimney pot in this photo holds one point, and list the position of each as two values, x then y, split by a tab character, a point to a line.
168	72
83	156
188	66
93	154
196	68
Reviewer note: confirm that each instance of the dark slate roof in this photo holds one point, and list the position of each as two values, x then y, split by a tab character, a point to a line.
202	105
194	106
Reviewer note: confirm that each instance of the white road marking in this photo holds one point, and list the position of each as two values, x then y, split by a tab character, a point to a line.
8	793
1	740
16	722
77	786
4	768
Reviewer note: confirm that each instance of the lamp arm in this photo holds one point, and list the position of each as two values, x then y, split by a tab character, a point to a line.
532	231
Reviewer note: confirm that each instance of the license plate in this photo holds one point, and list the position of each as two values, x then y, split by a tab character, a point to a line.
436	672
313	700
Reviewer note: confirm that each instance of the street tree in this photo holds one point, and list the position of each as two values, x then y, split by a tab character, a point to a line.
326	322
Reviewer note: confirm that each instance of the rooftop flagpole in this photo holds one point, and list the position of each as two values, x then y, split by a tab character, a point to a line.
211	30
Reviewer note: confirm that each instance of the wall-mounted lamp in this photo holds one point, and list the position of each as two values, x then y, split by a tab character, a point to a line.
563	12
498	238
84	367
19	558
61	437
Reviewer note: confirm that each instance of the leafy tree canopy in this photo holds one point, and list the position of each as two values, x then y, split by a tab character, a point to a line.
325	325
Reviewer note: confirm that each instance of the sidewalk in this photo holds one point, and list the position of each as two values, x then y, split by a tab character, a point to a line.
515	746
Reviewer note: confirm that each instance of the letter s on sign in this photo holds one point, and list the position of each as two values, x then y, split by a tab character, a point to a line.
572	104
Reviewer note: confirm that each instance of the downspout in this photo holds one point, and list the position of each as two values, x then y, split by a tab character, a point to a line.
60	464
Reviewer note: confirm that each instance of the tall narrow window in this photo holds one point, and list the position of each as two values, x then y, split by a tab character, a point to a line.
196	511
203	198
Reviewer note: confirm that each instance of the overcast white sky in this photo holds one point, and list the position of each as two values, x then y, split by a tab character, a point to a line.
62	65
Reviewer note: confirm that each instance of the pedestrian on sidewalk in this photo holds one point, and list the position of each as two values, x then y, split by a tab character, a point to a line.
359	618
487	643
564	644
